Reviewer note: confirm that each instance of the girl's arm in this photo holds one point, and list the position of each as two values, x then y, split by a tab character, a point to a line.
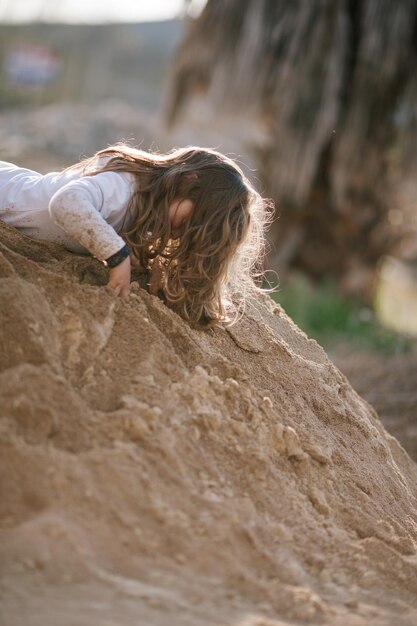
80	208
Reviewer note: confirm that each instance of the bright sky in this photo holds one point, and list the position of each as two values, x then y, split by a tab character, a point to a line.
95	10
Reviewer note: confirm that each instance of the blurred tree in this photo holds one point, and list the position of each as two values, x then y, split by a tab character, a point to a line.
333	82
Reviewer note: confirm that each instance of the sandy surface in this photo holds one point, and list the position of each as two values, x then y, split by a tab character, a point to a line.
156	475
389	383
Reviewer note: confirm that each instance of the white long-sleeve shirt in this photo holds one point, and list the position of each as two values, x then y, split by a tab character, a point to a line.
84	213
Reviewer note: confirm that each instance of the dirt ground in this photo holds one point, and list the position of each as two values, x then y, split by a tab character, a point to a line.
389	383
156	475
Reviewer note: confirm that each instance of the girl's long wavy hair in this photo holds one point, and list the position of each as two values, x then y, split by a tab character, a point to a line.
216	263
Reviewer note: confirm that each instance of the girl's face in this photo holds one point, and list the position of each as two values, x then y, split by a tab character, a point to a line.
179	211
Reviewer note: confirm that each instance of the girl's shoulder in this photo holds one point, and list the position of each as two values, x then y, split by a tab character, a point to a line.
112	183
96	163
93	174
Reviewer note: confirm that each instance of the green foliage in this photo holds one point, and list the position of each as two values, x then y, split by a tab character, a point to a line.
324	314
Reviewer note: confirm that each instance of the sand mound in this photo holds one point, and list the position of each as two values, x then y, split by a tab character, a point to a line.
389	384
157	475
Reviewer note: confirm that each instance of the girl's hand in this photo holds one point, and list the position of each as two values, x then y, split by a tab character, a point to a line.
119	280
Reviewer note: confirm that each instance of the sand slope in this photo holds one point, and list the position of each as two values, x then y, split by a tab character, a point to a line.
389	384
156	475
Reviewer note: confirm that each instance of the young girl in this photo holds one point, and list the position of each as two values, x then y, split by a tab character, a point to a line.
191	217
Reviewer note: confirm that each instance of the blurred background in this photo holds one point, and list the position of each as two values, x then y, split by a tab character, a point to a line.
315	98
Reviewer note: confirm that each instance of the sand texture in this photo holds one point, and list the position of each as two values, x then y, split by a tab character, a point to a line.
389	384
153	475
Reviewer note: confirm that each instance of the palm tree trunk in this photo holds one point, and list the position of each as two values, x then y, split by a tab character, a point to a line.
329	80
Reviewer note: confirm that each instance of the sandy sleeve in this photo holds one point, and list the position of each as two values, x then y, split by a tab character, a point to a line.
75	208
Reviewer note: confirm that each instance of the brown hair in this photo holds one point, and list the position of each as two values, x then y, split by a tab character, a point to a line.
209	270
